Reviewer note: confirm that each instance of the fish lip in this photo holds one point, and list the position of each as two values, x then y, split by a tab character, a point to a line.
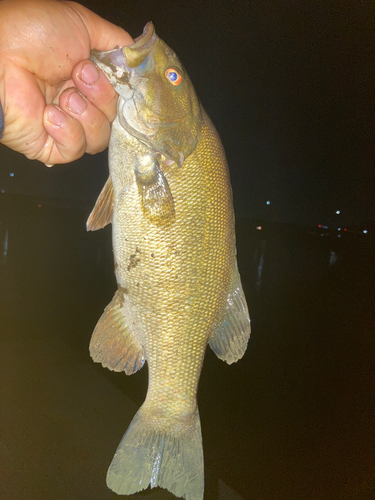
142	39
113	65
136	54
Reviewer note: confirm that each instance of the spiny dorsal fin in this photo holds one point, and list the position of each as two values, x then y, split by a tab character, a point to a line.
230	339
102	212
114	342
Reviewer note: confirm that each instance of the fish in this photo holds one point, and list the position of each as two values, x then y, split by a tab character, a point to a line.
169	199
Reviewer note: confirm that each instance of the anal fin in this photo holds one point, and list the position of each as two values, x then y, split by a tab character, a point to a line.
114	342
102	212
229	341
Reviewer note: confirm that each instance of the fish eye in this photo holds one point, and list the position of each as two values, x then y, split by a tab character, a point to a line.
173	76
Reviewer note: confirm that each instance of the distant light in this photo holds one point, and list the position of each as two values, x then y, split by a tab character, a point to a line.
339	229
339	235
338	212
322	227
3	190
345	229
268	202
39	205
259	228
365	231
11	174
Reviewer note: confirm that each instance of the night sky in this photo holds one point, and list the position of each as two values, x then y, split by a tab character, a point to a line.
288	85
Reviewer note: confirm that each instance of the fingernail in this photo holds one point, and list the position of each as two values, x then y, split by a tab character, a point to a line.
56	116
89	73
76	103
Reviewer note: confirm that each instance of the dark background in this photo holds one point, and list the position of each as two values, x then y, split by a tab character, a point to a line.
289	86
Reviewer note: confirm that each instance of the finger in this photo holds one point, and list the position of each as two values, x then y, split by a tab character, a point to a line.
66	141
92	83
95	124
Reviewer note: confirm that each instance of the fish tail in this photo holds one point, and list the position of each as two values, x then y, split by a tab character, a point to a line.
170	459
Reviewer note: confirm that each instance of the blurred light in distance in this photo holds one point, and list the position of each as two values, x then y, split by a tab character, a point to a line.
338	212
259	228
268	202
365	231
11	174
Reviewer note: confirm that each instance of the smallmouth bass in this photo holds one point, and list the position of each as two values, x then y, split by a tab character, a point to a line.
169	200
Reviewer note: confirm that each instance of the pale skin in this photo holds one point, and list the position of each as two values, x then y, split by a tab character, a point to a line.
57	104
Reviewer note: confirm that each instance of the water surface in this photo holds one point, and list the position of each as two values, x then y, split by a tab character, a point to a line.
293	420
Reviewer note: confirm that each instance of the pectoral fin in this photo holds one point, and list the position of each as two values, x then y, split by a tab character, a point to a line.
230	339
114	342
156	197
102	212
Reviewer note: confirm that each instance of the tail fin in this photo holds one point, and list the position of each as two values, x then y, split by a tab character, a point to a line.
173	461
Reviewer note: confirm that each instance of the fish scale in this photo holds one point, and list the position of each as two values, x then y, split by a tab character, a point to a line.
169	200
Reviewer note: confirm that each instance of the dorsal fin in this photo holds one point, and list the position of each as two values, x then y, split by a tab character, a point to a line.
102	212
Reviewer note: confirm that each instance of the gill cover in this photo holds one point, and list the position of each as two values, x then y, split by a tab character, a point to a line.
157	103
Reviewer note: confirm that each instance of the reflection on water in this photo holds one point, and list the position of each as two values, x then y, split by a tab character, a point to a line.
333	258
259	262
4	237
293	420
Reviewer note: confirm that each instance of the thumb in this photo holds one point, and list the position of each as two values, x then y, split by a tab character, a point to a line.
103	34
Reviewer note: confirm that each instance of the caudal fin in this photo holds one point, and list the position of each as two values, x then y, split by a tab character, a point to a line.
171	460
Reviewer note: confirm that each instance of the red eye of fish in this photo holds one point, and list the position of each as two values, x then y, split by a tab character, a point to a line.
173	76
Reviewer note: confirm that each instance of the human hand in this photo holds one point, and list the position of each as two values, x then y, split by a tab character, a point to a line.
57	104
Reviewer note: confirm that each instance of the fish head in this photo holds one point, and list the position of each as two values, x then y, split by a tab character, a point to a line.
157	101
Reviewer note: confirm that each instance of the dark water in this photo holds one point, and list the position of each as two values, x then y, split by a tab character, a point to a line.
293	420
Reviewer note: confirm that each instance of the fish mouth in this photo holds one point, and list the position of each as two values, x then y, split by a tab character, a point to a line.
118	64
136	54
113	65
